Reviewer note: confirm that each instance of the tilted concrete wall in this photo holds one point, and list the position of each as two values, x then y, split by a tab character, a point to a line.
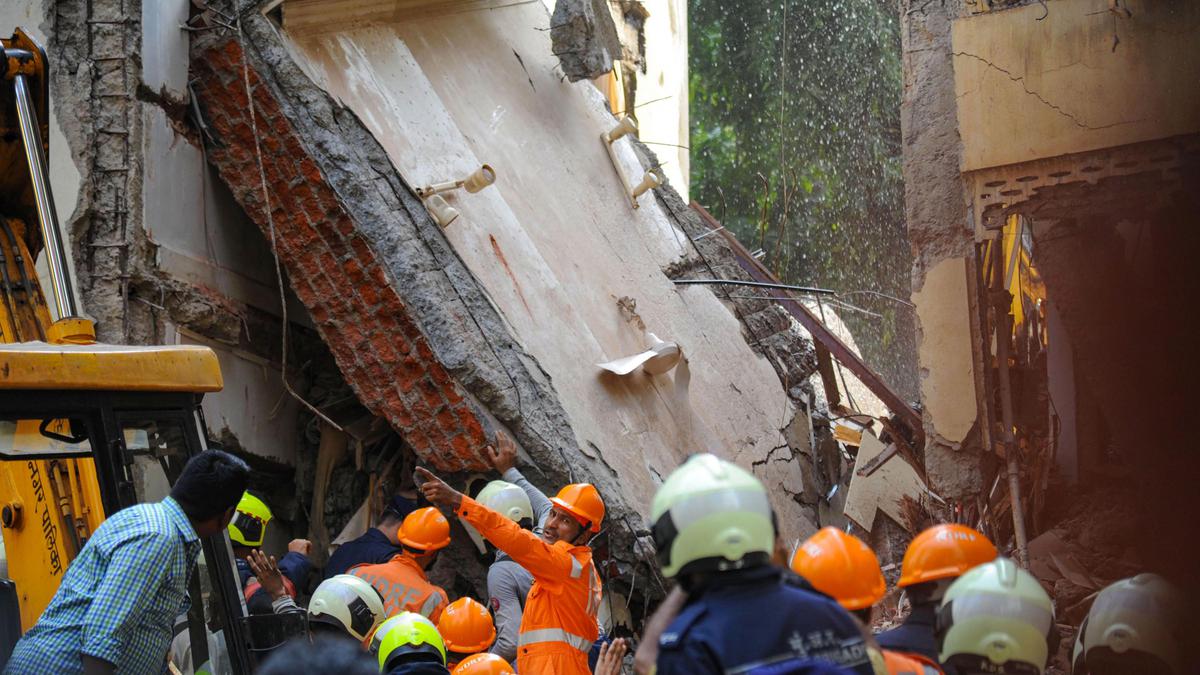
498	321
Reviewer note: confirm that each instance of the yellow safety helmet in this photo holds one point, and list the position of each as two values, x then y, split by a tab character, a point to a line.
408	634
249	524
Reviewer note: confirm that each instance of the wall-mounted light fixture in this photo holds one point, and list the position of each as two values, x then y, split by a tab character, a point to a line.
478	180
439	208
650	180
443	214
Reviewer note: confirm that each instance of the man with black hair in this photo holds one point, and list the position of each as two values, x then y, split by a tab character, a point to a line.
378	544
118	600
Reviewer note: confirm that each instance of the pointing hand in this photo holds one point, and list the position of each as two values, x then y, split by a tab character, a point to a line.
437	491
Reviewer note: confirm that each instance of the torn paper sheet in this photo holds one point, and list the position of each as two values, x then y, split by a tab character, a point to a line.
658	358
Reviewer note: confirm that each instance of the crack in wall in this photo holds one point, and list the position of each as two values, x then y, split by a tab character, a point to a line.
1020	79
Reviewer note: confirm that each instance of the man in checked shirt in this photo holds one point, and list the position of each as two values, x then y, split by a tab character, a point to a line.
117	603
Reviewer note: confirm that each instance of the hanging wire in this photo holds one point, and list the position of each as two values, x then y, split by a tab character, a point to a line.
262	176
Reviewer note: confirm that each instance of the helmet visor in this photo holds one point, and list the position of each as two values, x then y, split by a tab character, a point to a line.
250	527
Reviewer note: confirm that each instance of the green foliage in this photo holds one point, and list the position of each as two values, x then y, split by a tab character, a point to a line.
795	145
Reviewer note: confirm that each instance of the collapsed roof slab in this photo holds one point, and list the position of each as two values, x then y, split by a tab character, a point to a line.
500	319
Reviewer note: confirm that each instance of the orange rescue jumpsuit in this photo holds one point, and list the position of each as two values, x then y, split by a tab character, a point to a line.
559	623
909	664
404	587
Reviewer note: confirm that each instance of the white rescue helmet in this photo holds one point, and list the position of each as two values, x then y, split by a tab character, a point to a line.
506	499
347	602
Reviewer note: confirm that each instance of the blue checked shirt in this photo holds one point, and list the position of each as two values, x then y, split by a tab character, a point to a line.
119	598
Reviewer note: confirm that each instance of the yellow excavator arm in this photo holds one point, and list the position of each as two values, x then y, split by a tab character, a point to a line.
50	496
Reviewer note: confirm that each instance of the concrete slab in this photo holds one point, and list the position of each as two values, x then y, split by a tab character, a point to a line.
555	242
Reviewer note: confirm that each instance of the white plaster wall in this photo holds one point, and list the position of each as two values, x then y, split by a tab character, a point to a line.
1060	376
556	243
662	91
166	45
64	175
202	237
253	405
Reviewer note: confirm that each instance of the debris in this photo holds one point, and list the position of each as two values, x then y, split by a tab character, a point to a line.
847	434
333	446
584	37
658	358
884	490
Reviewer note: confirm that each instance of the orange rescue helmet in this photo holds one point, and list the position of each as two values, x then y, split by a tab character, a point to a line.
484	664
944	552
842	566
466	626
425	530
582	501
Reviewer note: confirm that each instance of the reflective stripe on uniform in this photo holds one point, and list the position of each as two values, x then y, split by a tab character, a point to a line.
576	568
540	635
431	603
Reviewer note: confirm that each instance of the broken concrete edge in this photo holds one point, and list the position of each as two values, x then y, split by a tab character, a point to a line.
584	38
937	210
410	327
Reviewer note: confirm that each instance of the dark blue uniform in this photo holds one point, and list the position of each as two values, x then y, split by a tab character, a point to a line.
371	548
419	668
294	566
760	622
915	634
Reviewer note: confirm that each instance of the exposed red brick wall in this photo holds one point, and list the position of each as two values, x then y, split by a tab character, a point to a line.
334	271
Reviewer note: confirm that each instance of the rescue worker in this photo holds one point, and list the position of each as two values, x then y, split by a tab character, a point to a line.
559	624
247	531
401	581
1135	625
843	567
484	664
508	583
466	629
378	544
934	559
345	606
714	531
996	619
411	645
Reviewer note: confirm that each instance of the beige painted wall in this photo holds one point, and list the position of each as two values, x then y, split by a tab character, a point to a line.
555	242
1030	89
944	357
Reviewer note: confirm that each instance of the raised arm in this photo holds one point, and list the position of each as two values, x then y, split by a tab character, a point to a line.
504	459
550	563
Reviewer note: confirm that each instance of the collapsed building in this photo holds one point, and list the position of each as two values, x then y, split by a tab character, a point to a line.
1051	166
405	227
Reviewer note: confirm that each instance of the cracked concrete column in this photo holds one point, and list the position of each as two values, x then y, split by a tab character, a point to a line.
940	233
